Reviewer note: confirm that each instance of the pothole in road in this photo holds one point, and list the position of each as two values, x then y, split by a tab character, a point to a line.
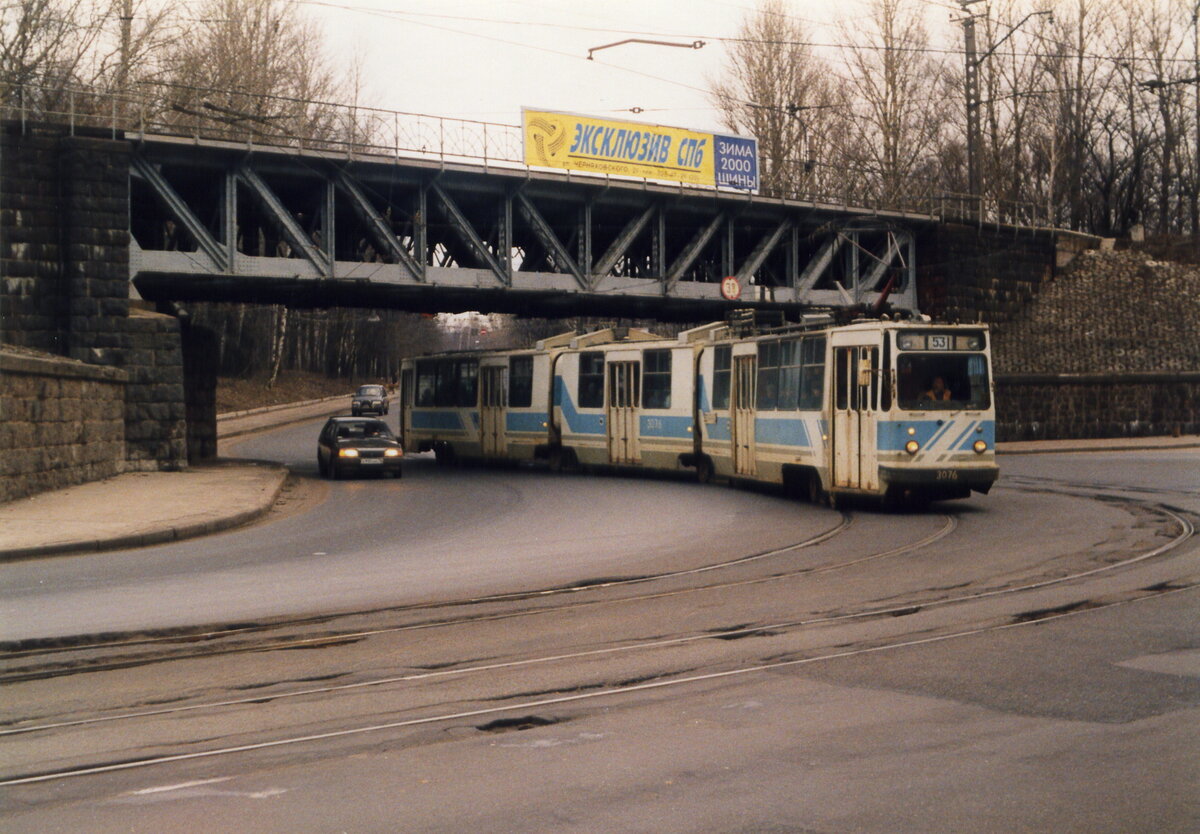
509	725
741	632
1047	613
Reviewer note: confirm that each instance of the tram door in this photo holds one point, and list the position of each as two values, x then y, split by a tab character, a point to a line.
855	410
493	400
745	383
624	399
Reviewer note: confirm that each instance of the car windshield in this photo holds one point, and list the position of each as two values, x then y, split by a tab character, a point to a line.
371	391
363	428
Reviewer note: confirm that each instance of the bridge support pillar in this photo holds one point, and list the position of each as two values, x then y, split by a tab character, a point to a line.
64	279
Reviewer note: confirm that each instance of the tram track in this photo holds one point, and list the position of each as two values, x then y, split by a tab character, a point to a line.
910	630
527	706
203	643
906	607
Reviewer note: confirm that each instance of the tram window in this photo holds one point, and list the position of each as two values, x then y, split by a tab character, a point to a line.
928	381
841	377
768	376
520	382
885	391
722	365
789	374
812	377
446	395
591	380
656	384
468	383
427	376
873	403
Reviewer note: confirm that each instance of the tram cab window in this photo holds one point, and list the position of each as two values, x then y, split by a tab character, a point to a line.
722	373
520	382
656	381
591	380
947	381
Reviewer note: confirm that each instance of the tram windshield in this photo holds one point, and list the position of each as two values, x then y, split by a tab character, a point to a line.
939	380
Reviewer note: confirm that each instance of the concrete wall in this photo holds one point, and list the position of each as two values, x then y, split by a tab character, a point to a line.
62	422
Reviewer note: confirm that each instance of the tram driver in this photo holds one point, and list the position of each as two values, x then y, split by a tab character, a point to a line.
938	392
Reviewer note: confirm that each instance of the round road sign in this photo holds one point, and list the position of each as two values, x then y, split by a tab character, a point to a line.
730	288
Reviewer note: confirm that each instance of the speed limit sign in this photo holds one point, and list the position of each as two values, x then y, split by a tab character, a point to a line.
730	288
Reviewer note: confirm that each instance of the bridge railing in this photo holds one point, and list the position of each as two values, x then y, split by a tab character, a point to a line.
280	121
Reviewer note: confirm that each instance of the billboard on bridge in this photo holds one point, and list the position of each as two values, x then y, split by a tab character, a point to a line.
636	149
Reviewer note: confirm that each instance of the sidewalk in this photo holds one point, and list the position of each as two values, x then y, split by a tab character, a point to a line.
143	508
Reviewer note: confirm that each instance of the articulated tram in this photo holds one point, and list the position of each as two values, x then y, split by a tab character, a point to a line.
900	410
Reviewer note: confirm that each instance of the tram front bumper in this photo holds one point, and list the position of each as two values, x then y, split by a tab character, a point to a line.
949	481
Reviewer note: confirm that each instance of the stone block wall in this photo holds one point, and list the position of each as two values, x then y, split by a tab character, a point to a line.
34	301
62	422
155	412
1109	348
1060	406
64	279
969	274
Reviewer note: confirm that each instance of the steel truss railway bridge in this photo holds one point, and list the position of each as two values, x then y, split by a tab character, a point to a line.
220	220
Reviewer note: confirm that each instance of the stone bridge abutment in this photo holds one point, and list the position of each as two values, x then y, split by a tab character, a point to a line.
64	268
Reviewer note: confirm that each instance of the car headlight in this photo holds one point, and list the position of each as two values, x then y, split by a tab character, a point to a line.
391	453
912	447
347	453
980	447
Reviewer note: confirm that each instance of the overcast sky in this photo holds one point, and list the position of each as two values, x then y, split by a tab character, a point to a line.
485	59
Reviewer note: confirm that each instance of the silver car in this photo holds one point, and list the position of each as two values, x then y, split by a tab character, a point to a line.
371	399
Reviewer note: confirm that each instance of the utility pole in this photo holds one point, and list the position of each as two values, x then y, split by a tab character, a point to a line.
974	62
974	133
126	38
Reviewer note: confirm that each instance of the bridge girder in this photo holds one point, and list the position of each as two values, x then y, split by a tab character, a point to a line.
216	221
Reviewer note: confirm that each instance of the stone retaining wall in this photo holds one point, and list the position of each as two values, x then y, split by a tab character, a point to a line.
1066	406
62	422
1109	348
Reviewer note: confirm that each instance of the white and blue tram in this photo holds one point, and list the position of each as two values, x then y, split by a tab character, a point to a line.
889	409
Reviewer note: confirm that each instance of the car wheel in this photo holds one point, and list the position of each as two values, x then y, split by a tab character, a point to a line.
321	467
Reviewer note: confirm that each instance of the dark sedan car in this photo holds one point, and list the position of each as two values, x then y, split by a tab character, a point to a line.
352	445
369	398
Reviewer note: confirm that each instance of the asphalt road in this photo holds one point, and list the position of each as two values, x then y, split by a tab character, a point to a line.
1025	661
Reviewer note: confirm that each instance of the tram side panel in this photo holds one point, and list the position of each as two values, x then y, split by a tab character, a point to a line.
760	404
626	405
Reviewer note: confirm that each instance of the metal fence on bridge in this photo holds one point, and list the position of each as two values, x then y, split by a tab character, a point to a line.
357	131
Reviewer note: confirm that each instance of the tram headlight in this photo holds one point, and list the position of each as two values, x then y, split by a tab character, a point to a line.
980	447
912	447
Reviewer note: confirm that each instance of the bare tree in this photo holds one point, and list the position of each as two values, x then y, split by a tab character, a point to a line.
780	92
900	117
44	45
254	67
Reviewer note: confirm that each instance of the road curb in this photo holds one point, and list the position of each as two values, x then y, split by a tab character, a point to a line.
1130	447
266	409
162	535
